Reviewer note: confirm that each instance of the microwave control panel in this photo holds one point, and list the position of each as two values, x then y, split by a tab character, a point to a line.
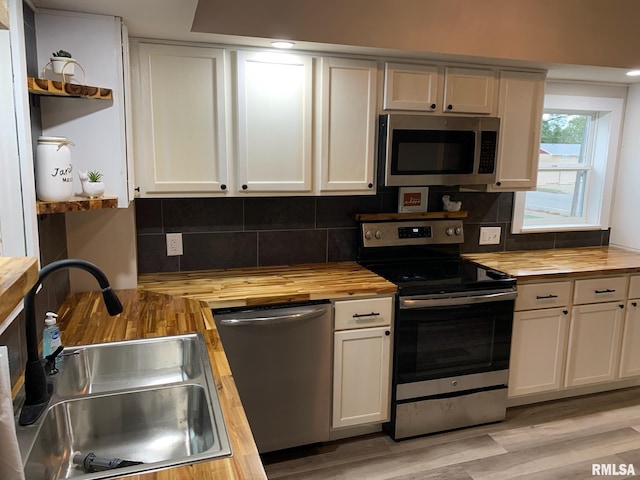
488	149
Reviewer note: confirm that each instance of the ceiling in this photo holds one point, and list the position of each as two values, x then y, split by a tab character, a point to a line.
173	19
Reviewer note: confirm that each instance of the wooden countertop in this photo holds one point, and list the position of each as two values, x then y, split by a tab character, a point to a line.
244	287
17	276
84	320
561	262
175	303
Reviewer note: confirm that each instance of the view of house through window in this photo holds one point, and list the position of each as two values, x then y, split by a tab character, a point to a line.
578	149
564	170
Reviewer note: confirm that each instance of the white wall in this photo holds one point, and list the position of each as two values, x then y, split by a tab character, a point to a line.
625	227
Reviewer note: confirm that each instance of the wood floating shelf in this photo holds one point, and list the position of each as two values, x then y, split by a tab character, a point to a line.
43	86
373	217
76	204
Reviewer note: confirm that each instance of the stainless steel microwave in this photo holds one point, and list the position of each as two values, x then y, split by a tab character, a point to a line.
415	150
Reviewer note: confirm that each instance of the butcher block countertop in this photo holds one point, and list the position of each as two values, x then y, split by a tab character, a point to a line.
17	276
176	303
246	287
561	262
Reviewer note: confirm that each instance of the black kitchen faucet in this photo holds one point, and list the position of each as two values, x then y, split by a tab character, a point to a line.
36	386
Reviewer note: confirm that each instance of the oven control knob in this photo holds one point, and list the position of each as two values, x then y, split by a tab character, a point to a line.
368	235
458	231
454	383
450	231
378	234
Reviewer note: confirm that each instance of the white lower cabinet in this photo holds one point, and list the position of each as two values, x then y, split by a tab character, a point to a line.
362	363
538	349
630	350
594	343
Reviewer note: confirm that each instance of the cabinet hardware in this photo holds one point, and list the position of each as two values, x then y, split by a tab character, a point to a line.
498	184
137	189
433	106
621	305
359	315
543	297
244	187
635	304
370	185
449	107
223	187
387	333
608	290
565	312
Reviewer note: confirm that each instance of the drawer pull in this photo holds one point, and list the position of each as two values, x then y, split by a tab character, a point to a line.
360	315
543	297
608	290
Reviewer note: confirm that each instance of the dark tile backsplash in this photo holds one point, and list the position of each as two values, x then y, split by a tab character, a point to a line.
247	232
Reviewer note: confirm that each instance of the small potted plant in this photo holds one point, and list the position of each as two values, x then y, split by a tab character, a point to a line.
62	62
92	184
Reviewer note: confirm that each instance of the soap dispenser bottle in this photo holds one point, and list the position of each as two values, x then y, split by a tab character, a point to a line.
50	335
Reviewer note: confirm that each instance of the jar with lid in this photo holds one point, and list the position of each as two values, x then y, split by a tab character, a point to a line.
54	180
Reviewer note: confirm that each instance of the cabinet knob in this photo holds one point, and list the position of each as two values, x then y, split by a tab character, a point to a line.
387	333
223	187
621	305
433	106
370	185
137	189
498	183
244	187
565	312
635	304
449	107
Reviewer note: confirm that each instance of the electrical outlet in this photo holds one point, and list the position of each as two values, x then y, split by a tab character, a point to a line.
490	235
174	244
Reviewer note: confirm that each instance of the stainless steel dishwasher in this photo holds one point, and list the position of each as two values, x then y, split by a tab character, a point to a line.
280	358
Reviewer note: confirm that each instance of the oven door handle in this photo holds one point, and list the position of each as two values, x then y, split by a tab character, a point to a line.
408	303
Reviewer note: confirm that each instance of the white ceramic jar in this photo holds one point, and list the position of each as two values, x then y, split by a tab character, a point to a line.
54	180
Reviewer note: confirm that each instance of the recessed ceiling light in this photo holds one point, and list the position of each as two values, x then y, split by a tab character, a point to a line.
634	73
282	44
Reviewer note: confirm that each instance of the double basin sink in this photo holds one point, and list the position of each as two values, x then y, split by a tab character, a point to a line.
151	403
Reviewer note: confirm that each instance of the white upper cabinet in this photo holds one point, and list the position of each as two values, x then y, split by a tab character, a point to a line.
520	103
469	90
180	119
274	122
347	134
412	87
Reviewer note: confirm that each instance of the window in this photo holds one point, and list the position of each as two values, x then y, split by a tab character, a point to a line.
578	151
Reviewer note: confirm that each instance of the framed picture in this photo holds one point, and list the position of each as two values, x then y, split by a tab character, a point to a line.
413	199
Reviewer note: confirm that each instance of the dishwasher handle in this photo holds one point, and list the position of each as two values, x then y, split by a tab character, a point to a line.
298	316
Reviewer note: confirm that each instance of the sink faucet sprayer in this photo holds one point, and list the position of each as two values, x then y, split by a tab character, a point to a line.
36	387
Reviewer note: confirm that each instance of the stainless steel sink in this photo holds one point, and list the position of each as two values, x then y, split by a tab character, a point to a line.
99	368
109	400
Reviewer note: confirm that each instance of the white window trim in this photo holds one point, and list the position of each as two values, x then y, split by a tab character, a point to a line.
597	218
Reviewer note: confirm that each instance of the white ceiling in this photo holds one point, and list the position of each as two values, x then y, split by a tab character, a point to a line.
172	20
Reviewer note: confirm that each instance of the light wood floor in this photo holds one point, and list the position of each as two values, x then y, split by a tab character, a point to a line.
553	440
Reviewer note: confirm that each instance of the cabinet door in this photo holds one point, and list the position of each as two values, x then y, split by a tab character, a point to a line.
361	371
411	87
181	110
469	90
520	103
348	124
274	94
630	354
594	343
538	349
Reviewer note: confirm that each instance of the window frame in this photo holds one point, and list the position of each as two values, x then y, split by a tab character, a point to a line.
606	147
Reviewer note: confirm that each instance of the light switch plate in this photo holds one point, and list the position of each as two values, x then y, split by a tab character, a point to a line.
490	235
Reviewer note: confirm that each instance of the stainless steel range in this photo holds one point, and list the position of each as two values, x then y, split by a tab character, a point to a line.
453	326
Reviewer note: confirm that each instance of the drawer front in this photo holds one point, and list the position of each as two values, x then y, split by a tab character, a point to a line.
634	286
543	295
605	289
368	312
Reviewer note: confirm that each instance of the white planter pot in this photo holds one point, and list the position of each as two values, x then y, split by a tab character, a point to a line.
62	65
93	189
54	182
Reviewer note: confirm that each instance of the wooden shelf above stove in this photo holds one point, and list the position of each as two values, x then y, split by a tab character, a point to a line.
375	217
